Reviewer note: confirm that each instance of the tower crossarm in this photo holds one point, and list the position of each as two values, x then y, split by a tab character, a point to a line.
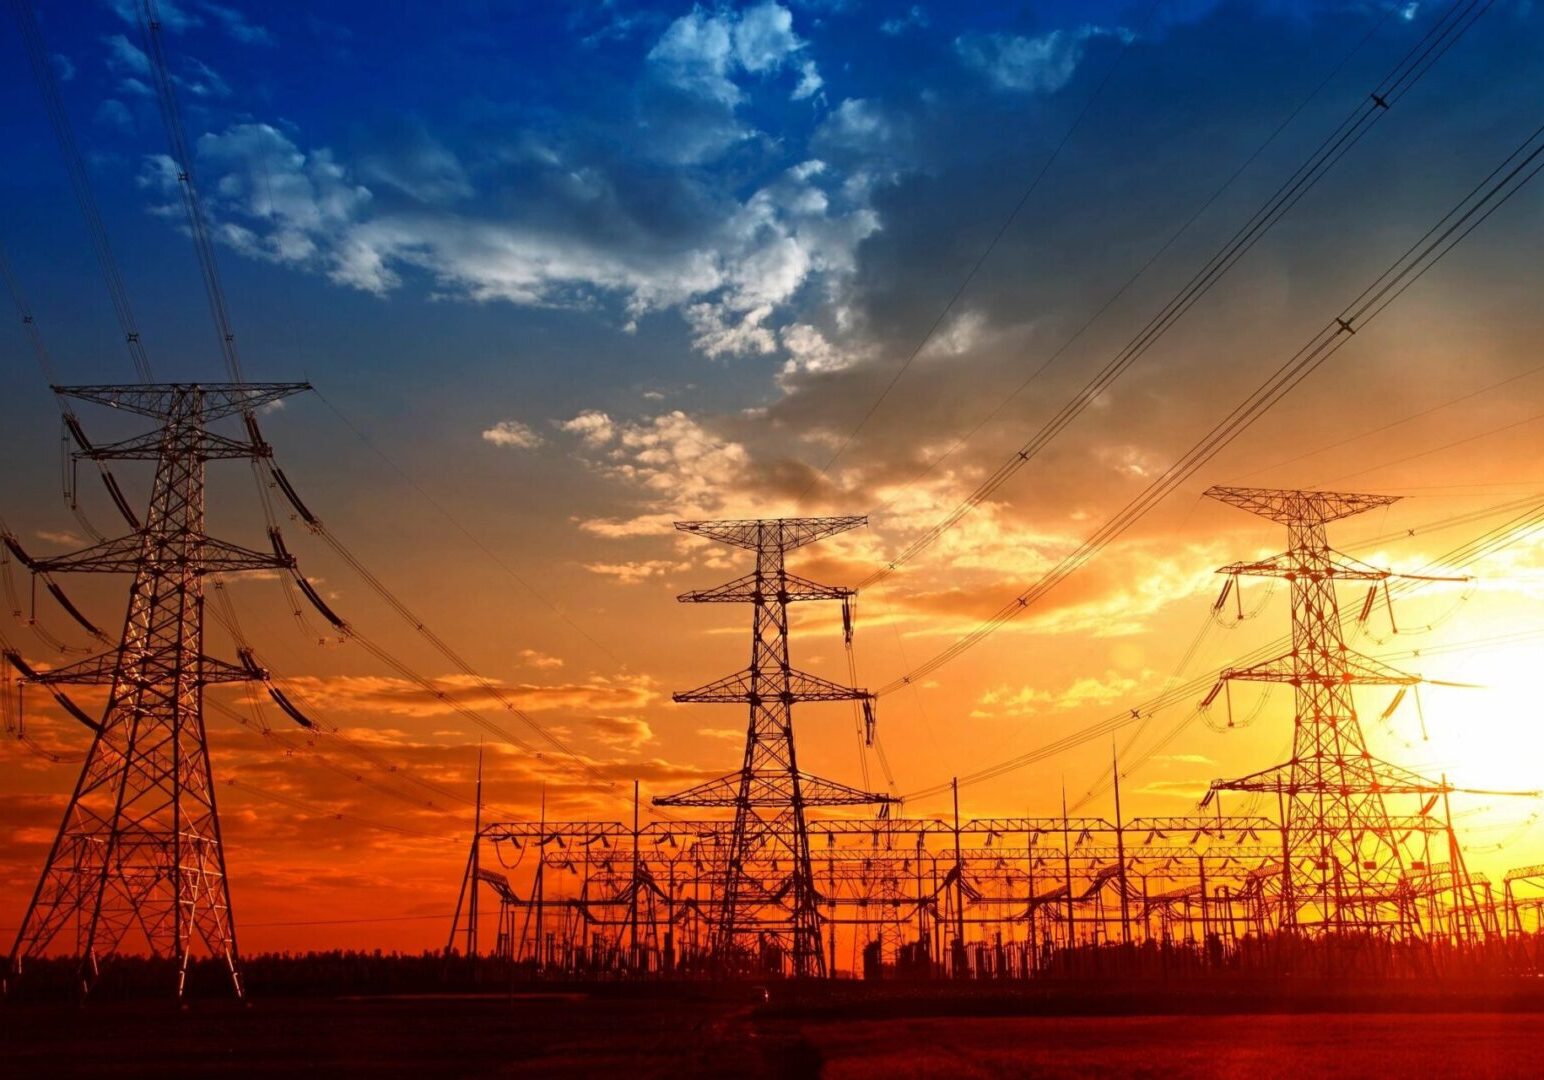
1344	668
126	555
780	534
208	445
1292	566
771	790
751	589
802	686
157	400
1364	776
102	669
1289	506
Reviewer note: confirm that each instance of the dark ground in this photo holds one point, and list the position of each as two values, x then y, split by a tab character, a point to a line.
893	1031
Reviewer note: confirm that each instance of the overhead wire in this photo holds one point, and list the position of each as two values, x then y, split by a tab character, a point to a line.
986	252
1484	199
1405	75
1493	540
150	28
80	183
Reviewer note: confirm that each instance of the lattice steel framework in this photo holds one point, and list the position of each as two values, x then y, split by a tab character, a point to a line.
1344	868
1023	896
779	902
138	854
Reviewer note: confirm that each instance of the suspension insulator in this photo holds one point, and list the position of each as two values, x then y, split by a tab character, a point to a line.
1222	597
320	604
73	611
116	493
294	497
289	709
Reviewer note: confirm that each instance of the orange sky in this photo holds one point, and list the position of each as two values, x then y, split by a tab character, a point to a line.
509	463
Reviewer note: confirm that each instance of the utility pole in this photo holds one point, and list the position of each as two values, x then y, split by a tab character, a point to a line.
959	887
770	793
1120	851
139	854
1067	871
1342	863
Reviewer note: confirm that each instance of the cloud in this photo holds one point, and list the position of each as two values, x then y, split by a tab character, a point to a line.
915	17
635	573
702	51
406	156
172	15
64	67
1034	65
124	57
237	25
595	428
540	660
809	351
115	114
512	433
272	201
671	456
402	697
624	732
65	539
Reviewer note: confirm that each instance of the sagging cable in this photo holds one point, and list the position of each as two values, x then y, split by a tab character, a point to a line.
320	604
294	497
73	611
1222	597
30	674
1367	603
288	708
260	446
16	549
1399	696
116	493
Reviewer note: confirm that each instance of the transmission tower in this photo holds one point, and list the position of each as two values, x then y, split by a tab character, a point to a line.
1343	868
138	855
768	883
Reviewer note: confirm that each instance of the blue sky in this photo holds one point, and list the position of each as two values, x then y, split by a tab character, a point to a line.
582	268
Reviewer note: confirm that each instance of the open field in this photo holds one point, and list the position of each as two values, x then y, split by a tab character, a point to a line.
671	1032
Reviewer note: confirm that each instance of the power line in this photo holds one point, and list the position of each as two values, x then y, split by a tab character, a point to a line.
1486	544
981	259
1400	81
1489	195
80	183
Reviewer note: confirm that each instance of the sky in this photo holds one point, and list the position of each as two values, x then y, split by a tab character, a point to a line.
562	274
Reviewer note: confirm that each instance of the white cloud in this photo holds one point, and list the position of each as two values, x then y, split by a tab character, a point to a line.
63	66
636	572
595	428
1035	65
237	25
512	433
124	57
810	351
675	466
535	659
115	114
274	201
810	81
702	51
896	25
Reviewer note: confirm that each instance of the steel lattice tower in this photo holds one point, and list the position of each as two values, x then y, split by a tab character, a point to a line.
138	855
1343	867
770	792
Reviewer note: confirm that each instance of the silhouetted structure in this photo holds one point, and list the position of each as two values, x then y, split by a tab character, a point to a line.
780	903
1345	864
138	855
